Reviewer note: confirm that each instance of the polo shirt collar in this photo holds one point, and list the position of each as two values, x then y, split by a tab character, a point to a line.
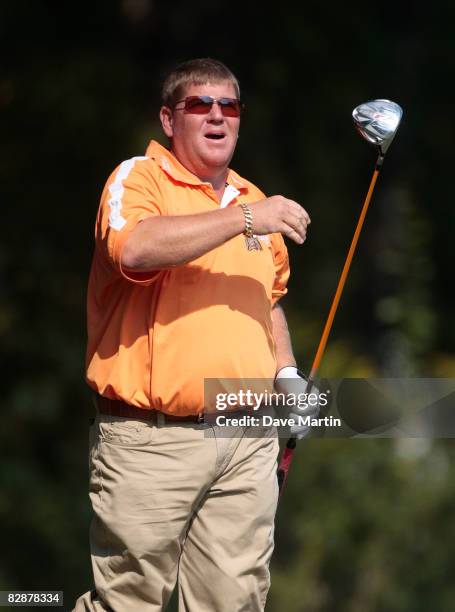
171	166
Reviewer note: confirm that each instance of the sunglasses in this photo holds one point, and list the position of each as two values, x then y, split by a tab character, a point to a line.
201	105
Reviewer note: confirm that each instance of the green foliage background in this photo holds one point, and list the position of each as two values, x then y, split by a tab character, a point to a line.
365	525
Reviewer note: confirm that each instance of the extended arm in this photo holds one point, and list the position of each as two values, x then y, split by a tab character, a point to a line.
284	354
161	242
164	241
289	381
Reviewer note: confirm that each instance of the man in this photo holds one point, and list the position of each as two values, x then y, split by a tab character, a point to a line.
188	268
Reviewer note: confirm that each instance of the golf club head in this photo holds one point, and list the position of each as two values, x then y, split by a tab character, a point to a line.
378	122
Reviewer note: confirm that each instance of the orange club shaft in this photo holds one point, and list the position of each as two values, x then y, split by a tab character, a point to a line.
343	277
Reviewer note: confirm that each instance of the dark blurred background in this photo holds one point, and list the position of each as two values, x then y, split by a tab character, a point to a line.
365	525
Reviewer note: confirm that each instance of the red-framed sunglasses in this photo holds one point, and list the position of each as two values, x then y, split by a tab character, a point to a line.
201	105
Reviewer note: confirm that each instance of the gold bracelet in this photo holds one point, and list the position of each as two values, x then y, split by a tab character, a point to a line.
248	231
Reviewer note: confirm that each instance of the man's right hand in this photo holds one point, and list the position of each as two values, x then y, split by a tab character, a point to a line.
279	214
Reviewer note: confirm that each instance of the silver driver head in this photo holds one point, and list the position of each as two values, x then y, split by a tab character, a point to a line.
378	121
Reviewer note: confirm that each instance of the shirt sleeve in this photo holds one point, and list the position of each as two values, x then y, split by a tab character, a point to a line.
281	263
131	195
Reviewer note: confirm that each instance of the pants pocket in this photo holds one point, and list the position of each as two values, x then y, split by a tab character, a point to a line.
124	431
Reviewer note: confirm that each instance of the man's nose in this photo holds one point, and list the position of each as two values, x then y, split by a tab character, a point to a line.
216	113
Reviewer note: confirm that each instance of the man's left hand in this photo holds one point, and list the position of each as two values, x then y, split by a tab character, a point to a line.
291	382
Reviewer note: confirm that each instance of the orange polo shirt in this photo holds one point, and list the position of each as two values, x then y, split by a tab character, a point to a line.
154	336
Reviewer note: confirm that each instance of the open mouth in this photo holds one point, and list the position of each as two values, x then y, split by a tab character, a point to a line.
215	136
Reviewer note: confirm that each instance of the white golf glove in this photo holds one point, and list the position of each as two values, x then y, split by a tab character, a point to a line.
292	384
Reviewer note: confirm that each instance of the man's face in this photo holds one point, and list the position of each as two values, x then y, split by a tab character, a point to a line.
204	144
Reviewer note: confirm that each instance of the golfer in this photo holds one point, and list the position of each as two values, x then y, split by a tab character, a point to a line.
188	269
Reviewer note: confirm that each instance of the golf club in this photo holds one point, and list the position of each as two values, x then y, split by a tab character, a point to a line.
377	121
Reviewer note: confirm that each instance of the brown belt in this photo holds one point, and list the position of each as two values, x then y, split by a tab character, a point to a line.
122	409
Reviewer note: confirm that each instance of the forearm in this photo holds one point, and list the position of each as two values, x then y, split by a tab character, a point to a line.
165	241
283	345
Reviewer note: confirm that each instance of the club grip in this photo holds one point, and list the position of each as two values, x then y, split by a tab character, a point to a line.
285	463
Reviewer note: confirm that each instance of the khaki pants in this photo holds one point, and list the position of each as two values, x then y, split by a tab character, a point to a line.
180	500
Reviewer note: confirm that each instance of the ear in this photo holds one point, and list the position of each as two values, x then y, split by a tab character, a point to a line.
167	121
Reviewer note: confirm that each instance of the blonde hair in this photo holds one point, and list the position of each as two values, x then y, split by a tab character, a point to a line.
195	72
